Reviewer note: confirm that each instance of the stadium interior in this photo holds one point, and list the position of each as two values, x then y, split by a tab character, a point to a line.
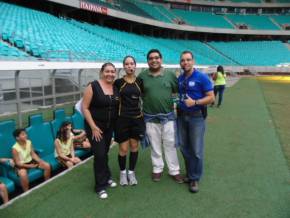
50	50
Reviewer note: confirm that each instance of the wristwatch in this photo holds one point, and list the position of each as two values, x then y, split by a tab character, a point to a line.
196	103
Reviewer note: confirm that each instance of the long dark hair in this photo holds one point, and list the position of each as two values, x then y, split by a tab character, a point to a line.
220	69
62	132
129	56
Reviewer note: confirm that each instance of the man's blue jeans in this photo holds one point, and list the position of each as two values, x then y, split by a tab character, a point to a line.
191	132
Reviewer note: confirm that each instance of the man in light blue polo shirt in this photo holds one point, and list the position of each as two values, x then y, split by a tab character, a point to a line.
195	93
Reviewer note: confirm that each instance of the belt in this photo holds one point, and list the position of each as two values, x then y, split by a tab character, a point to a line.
196	113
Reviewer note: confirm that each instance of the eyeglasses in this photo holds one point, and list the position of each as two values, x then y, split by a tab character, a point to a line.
154	58
183	60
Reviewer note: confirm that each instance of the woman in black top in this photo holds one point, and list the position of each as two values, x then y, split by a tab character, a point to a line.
100	108
130	125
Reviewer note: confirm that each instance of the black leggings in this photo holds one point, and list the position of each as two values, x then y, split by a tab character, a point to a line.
100	151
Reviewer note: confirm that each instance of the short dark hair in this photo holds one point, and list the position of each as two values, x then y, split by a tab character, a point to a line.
129	56
187	52
220	69
107	64
17	132
153	51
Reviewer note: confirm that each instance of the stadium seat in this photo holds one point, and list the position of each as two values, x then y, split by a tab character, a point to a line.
42	138
8	183
59	118
6	142
77	120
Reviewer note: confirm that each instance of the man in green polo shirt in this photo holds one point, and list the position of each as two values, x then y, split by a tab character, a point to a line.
159	85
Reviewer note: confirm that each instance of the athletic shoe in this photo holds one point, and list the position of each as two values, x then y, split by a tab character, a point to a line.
123	178
112	183
132	178
193	187
102	194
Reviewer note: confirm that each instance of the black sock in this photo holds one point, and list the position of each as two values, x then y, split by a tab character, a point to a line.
133	160
122	162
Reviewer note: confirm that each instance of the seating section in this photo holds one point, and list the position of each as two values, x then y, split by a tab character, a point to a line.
282	20
41	135
203	19
255	53
59	118
158	12
249	1
254	22
11	53
47	37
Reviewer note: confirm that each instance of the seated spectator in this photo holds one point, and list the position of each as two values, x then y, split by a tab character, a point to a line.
25	158
3	193
64	149
80	139
7	161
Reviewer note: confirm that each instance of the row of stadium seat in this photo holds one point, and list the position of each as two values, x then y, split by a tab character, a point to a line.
204	19
42	135
9	52
263	53
48	37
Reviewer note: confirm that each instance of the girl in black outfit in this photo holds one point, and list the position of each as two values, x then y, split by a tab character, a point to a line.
130	125
100	108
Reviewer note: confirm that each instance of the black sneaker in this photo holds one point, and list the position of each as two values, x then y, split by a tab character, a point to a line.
193	187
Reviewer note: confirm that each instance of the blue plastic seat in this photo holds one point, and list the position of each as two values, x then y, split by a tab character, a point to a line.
6	143
40	134
77	120
8	183
59	118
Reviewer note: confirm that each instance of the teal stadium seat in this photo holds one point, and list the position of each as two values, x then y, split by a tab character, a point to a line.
59	118
6	129
42	138
77	120
6	142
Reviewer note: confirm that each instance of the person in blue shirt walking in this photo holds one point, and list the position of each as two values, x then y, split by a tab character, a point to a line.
195	93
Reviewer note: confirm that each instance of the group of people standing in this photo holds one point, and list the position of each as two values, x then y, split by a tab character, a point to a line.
140	108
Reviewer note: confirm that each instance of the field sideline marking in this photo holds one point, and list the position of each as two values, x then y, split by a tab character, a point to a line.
48	181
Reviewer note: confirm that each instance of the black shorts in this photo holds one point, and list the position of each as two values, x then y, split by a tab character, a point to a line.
129	128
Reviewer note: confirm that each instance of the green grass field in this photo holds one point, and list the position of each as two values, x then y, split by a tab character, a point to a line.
246	173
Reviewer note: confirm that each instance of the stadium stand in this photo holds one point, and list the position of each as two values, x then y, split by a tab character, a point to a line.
156	11
282	19
50	38
204	19
9	52
254	53
41	134
249	1
253	21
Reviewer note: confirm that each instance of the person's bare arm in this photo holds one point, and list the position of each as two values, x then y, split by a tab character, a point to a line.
208	99
87	98
58	150
18	162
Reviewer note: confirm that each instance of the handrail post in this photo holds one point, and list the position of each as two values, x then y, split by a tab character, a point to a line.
18	101
53	89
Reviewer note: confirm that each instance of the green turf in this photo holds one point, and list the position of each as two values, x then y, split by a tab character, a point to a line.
278	101
246	174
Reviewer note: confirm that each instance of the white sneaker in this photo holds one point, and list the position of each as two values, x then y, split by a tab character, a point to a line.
132	178
112	183
103	194
123	178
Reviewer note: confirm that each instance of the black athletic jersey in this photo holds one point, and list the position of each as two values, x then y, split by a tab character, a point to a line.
104	108
130	98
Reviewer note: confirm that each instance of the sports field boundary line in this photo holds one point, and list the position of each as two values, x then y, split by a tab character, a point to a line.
10	202
275	126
